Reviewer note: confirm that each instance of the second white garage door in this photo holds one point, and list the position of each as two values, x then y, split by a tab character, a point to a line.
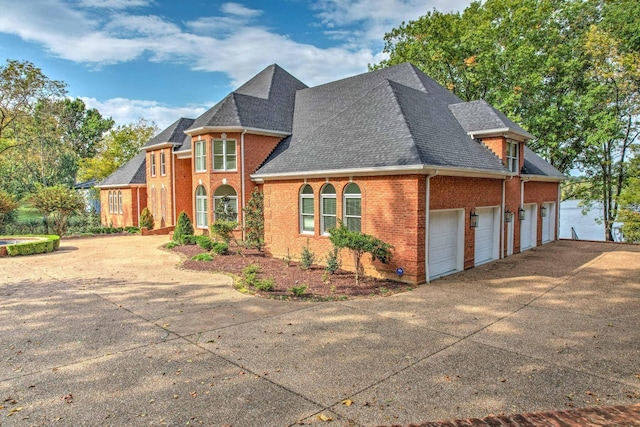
487	240
446	235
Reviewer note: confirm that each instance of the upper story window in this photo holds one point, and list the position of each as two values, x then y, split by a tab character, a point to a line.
163	169
224	155
513	163
153	164
327	208
200	154
306	210
353	207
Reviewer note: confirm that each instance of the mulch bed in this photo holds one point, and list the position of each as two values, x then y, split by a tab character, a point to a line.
321	286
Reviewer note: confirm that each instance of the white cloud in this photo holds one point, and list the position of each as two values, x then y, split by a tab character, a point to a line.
125	111
240	10
115	4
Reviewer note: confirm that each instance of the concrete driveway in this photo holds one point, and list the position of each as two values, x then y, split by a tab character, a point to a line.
107	331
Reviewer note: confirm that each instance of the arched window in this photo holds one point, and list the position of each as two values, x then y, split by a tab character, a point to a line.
306	210
327	208
110	202
353	207
163	204
119	202
201	207
225	204
153	202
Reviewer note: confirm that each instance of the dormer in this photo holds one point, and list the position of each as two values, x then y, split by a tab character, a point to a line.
495	130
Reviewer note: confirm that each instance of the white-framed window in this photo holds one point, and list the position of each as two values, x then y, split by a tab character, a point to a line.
200	154
225	203
327	208
110	202
163	204
163	167
154	202
152	156
352	207
224	155
307	217
119	202
201	207
512	156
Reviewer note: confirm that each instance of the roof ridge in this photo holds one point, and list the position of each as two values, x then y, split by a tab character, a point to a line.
394	88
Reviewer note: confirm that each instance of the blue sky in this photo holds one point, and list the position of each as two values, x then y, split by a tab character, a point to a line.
165	59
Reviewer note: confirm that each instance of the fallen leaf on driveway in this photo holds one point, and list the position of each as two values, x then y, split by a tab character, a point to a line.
323	417
347	402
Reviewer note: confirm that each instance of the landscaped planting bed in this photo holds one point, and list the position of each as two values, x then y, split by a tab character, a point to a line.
29	245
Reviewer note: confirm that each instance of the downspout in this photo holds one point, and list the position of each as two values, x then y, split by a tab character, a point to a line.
557	236
173	185
138	196
426	225
242	183
502	223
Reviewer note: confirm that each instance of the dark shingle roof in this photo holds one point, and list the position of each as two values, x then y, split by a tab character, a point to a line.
174	134
131	173
391	117
264	102
478	116
536	165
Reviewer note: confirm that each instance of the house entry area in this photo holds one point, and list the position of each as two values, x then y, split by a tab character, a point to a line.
446	242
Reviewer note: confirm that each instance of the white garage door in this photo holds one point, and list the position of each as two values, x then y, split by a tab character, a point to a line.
549	223
487	238
528	228
445	244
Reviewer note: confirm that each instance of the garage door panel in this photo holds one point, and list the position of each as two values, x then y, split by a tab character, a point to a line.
528	228
486	236
444	243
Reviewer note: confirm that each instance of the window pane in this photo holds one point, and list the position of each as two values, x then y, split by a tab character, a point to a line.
231	148
218	162
328	189
307	223
329	206
352	207
352	189
329	222
231	162
217	148
307	190
307	206
353	224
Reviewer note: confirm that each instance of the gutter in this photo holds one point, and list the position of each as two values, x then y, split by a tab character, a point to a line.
242	180
173	187
426	226
235	129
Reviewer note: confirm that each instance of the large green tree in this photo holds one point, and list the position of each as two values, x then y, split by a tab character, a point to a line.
117	147
567	70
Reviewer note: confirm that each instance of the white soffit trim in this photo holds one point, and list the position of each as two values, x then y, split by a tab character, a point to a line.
385	170
156	146
501	132
543	178
123	187
235	129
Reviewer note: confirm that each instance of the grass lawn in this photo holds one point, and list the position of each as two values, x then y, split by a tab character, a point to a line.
26	212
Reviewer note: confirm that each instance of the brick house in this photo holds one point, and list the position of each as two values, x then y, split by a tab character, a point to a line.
391	153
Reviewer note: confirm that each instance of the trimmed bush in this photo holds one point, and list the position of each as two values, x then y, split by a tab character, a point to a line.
204	242
146	219
307	257
220	248
223	230
266	285
202	257
184	228
43	245
188	240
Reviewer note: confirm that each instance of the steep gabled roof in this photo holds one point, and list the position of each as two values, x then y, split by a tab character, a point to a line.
478	117
174	134
388	118
131	173
536	165
265	102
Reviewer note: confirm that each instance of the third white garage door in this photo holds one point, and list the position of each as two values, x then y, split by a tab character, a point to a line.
487	238
445	242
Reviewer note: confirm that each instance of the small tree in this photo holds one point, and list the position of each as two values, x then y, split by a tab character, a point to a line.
184	227
254	220
223	230
359	244
8	207
146	219
57	204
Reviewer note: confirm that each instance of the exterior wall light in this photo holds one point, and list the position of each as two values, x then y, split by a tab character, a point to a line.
521	214
473	219
508	216
543	211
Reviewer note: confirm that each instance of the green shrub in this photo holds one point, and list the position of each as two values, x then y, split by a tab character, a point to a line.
132	230
251	268
223	230
184	228
299	291
188	240
202	257
254	220
8	212
333	260
57	204
220	248
204	242
307	258
266	285
49	244
146	219
171	245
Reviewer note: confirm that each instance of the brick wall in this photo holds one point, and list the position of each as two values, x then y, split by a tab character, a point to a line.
162	207
541	192
183	188
129	215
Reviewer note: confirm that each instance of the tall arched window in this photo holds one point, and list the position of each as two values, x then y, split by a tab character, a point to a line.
306	210
201	207
327	208
163	204
353	207
110	202
119	202
154	202
225	203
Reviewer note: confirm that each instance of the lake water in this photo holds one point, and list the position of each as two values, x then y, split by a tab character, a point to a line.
586	226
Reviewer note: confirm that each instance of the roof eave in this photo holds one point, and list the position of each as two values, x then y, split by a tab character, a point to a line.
159	145
501	132
546	178
121	186
232	129
383	170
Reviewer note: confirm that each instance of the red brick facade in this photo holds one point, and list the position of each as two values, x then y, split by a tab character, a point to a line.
127	214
